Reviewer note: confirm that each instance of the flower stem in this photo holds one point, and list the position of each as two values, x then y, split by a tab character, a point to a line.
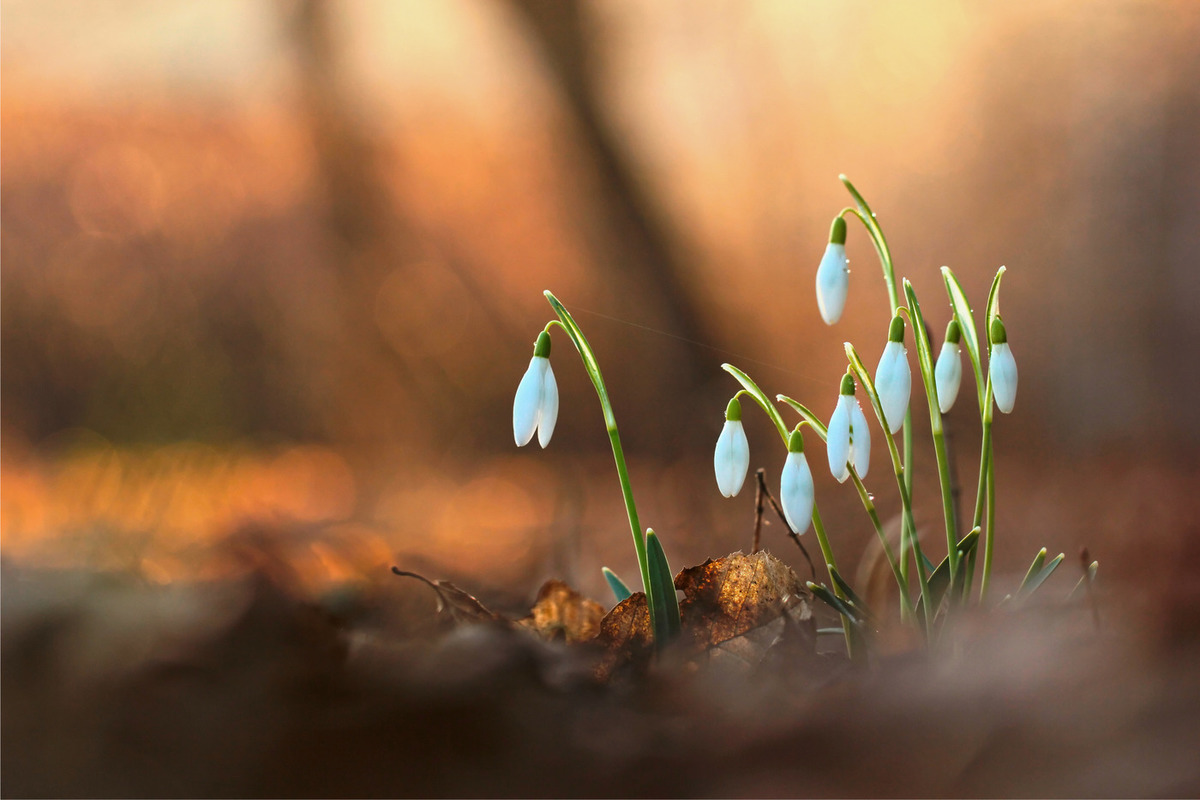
568	324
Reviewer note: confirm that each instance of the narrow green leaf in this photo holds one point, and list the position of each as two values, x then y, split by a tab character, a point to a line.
852	598
1038	560
667	624
1087	578
939	577
993	302
834	602
619	589
1031	585
759	397
966	322
814	422
924	352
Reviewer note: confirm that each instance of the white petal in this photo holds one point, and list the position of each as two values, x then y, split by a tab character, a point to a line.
527	403
833	282
860	440
893	381
731	459
548	416
948	375
837	445
796	492
1003	370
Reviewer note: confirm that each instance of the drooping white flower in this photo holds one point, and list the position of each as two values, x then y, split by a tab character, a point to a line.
833	275
1002	368
535	407
796	493
893	379
731	459
848	438
947	373
860	440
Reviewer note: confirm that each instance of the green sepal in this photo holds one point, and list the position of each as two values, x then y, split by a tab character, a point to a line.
996	332
619	589
796	441
733	411
953	332
847	386
896	329
666	605
541	348
837	231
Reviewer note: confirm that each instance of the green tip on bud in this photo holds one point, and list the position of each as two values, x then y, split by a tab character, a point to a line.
953	332
837	231
796	441
733	411
847	384
541	347
896	331
997	334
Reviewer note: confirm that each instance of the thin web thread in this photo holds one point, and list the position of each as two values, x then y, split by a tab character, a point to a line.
693	342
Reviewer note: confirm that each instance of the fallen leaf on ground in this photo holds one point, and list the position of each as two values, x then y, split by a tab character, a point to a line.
560	612
741	605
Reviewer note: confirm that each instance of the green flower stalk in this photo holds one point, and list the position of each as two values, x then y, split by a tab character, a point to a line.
532	408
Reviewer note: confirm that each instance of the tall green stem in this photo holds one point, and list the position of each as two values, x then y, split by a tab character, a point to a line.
925	358
871	223
592	367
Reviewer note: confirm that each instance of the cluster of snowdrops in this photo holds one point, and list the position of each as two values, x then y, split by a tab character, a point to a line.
929	592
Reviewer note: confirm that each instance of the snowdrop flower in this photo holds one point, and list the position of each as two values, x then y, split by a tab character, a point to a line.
948	371
796	485
1002	367
833	275
893	380
848	438
535	408
732	457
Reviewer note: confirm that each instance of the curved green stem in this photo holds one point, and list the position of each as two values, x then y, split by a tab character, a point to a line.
868	384
867	217
867	501
925	359
568	324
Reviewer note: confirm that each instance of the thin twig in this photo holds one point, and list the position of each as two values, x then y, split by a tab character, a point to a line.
762	492
758	511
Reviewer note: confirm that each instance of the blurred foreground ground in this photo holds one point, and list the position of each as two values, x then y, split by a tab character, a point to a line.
114	687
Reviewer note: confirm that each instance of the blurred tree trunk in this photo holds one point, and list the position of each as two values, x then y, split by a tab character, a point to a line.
633	241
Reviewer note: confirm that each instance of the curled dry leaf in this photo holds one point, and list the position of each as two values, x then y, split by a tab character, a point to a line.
743	605
560	612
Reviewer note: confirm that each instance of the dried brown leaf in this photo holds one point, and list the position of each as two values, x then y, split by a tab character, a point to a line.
462	607
626	636
561	613
742	604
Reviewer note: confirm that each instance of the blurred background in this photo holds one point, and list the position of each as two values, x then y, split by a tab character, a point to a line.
273	269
